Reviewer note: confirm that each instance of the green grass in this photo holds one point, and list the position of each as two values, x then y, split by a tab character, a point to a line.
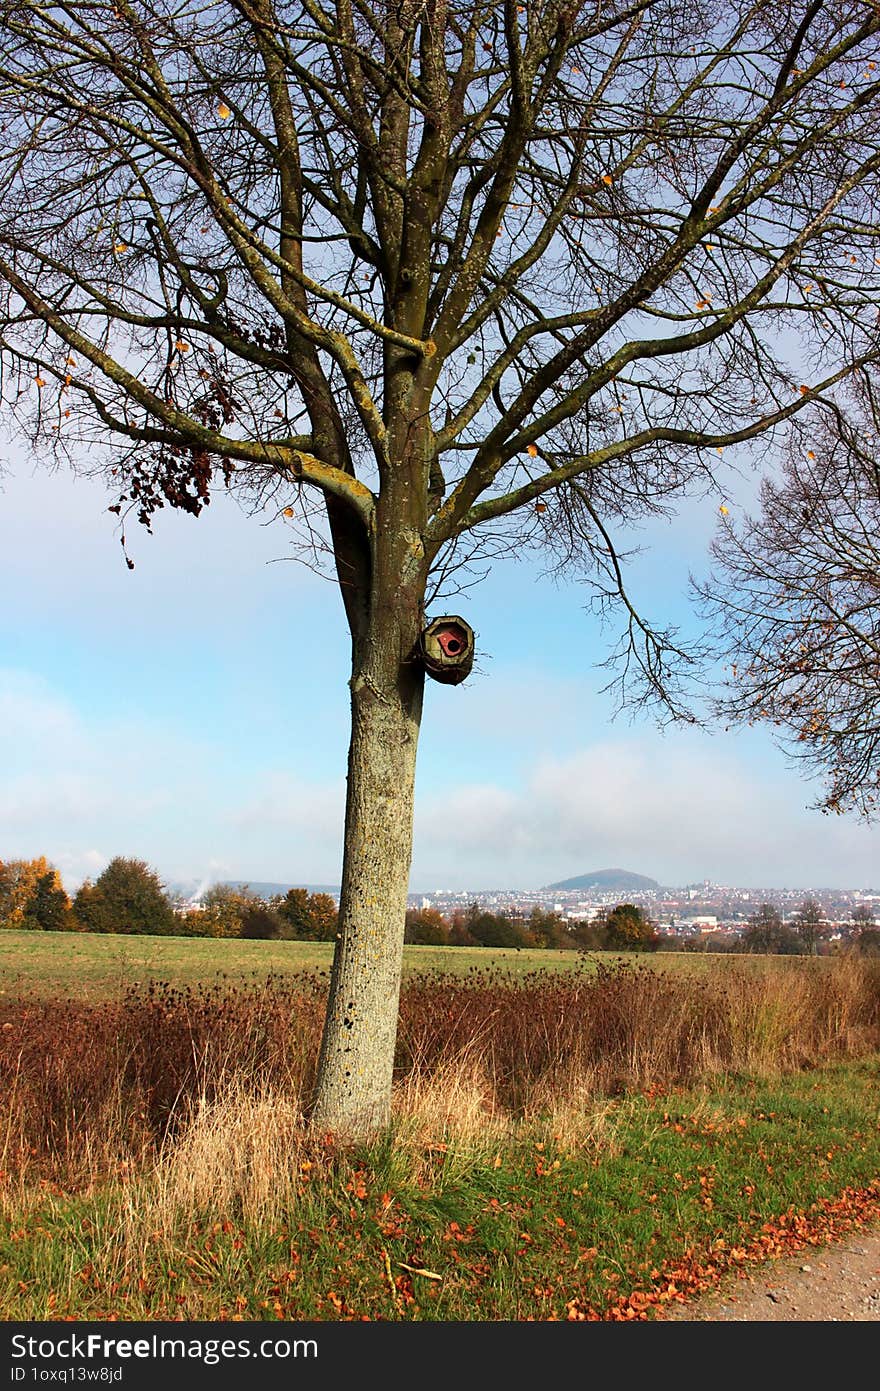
662	1193
95	966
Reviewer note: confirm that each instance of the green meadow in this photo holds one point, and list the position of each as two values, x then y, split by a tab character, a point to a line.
95	966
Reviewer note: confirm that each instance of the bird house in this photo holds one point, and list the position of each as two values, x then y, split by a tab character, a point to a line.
447	649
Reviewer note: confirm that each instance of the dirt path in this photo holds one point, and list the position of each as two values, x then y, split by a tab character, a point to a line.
837	1284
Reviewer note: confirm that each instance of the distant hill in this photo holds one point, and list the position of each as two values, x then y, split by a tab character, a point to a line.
608	880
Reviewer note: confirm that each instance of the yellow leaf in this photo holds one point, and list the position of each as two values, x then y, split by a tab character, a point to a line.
70	362
223	111
723	510
810	454
288	512
607	179
40	381
532	449
703	304
119	247
181	346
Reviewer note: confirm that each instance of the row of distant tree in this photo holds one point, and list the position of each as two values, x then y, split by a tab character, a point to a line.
627	928
624	928
807	933
129	897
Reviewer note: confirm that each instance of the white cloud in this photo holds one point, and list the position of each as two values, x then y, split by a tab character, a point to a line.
294	804
75	866
81	788
71	782
678	808
289	828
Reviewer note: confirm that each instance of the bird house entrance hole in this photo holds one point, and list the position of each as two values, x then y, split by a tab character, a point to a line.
447	649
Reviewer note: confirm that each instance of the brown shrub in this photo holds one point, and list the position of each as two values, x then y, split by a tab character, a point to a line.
91	1089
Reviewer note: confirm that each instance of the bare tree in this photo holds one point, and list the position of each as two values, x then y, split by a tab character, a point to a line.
448	276
795	597
809	921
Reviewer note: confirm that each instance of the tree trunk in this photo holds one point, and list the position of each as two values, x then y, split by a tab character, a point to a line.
353	1092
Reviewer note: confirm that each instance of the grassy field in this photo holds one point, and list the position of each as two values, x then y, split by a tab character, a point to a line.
592	1141
95	966
650	1200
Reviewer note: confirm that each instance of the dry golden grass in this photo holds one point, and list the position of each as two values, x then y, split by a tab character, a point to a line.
243	1153
203	1095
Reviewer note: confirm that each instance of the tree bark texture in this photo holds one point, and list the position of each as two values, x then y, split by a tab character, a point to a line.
353	1092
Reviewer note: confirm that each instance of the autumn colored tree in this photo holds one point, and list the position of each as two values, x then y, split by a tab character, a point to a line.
589	934
313	917
459	932
547	929
261	921
437	281
628	928
26	885
495	929
48	907
795	598
426	927
220	910
127	897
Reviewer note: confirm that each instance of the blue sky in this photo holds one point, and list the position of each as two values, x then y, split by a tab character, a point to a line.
193	713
